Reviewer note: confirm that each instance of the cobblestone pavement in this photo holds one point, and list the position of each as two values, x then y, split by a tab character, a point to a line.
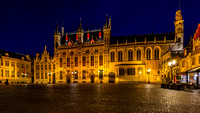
126	97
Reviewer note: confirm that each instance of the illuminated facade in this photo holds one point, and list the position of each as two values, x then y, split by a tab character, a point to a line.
14	67
96	56
44	68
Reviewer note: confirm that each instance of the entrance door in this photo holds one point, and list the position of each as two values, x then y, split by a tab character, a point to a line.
92	79
68	79
54	78
112	78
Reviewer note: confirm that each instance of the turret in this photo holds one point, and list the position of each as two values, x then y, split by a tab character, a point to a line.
57	38
179	29
107	31
80	33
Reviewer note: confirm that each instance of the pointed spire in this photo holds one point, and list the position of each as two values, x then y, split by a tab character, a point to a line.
45	48
80	26
56	32
106	20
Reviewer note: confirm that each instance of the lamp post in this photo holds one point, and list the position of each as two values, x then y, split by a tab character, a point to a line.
49	77
171	64
148	72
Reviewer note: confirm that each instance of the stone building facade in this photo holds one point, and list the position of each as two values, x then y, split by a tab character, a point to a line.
15	67
95	56
44	68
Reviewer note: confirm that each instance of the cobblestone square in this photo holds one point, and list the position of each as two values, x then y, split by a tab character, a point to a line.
122	97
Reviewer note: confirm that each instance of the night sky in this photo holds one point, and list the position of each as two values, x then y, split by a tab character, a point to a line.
26	26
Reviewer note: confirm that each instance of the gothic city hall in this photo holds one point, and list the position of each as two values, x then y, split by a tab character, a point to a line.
95	56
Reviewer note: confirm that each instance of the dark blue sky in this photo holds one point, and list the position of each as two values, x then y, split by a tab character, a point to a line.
26	26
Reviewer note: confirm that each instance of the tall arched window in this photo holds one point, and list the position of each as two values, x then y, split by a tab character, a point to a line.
120	55
130	55
148	53
156	53
138	54
92	59
112	56
100	58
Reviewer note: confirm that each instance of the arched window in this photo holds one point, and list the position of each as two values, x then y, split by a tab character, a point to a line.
100	58
120	55
92	59
112	56
148	53
130	55
138	54
84	61
156	53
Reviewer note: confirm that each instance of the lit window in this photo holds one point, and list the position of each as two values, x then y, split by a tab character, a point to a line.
101	59
92	60
130	55
138	54
84	60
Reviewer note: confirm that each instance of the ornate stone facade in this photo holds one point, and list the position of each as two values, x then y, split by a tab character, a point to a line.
97	57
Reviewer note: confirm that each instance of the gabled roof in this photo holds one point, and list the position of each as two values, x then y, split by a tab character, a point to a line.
15	55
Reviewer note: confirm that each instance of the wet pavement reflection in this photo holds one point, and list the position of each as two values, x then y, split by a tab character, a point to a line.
126	97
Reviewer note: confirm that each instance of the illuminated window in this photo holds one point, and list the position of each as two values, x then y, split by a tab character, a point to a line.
54	66
140	70
130	71
76	61
84	60
120	55
37	75
12	64
60	62
138	54
101	59
68	62
42	76
92	60
157	54
37	67
148	53
23	66
12	73
49	66
6	63
84	74
7	73
121	71
18	65
61	76
45	75
112	56
130	55
18	73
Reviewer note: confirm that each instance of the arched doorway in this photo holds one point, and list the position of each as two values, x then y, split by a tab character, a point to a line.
92	78
68	79
111	77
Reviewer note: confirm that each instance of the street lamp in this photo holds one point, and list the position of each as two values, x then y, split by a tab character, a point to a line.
49	77
171	64
148	72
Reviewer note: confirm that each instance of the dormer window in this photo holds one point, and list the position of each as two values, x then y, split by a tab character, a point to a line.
6	54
